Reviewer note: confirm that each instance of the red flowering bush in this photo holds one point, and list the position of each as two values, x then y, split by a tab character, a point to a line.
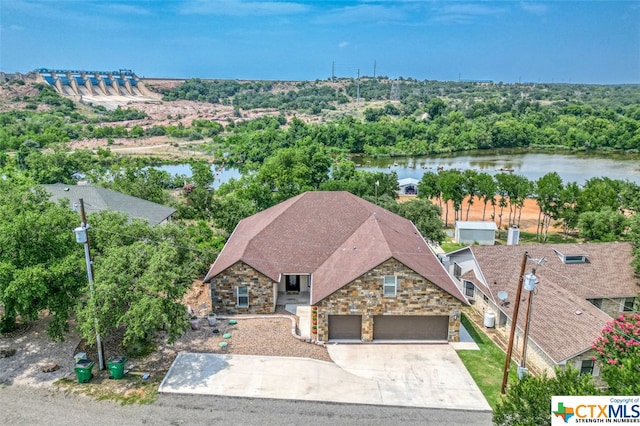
618	354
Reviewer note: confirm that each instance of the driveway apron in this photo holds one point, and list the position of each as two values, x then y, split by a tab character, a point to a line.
399	375
414	375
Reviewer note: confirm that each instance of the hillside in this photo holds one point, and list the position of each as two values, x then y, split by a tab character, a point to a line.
376	116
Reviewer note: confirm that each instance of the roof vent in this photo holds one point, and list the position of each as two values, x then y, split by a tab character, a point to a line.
571	258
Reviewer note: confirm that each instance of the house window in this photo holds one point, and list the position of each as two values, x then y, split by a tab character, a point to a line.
243	297
486	299
628	304
390	283
596	302
587	366
457	270
469	289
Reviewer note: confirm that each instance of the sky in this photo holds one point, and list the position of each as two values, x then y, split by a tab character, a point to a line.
502	41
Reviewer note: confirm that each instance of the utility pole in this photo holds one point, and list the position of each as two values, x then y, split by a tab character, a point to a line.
82	236
333	71
374	68
528	285
514	322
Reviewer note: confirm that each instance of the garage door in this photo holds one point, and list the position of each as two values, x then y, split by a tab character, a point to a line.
345	327
410	327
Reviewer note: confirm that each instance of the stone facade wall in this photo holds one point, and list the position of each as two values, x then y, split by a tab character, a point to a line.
538	361
612	307
415	295
261	289
576	362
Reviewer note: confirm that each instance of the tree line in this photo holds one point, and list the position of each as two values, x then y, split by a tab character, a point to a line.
600	209
438	124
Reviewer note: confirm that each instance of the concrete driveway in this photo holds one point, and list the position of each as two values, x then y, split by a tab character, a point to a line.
400	375
414	375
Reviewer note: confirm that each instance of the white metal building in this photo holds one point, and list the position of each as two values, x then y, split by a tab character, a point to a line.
483	233
408	186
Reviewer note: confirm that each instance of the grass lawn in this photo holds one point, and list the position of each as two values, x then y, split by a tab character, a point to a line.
449	246
530	238
486	365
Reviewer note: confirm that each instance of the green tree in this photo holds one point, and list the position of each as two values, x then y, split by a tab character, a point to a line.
568	212
435	107
634	237
630	196
425	216
230	209
147	183
40	262
548	192
141	275
429	188
507	186
487	189
291	171
470	188
603	225
597	193
524	190
618	354
528	401
199	197
451	184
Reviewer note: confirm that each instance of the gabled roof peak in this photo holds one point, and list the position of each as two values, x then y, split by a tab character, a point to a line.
334	235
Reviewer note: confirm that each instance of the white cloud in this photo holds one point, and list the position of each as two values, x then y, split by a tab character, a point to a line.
241	7
464	13
362	13
127	9
343	44
534	8
12	27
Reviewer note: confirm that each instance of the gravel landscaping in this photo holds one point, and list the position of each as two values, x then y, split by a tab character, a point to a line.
267	335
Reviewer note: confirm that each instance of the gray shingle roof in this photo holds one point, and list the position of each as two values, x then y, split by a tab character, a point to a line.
563	322
335	236
97	199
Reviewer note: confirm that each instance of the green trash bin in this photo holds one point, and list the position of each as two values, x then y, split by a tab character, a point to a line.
83	370
116	366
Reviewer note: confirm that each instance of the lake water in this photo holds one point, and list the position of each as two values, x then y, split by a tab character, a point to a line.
222	175
571	167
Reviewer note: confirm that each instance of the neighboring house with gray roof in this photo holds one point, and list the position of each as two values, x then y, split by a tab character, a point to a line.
368	271
580	288
98	199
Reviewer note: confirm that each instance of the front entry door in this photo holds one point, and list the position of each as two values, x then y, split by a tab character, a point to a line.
293	283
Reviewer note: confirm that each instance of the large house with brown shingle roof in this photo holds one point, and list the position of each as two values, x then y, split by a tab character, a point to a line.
580	288
368	271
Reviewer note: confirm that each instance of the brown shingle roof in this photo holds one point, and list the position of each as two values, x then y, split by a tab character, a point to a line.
335	236
562	290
